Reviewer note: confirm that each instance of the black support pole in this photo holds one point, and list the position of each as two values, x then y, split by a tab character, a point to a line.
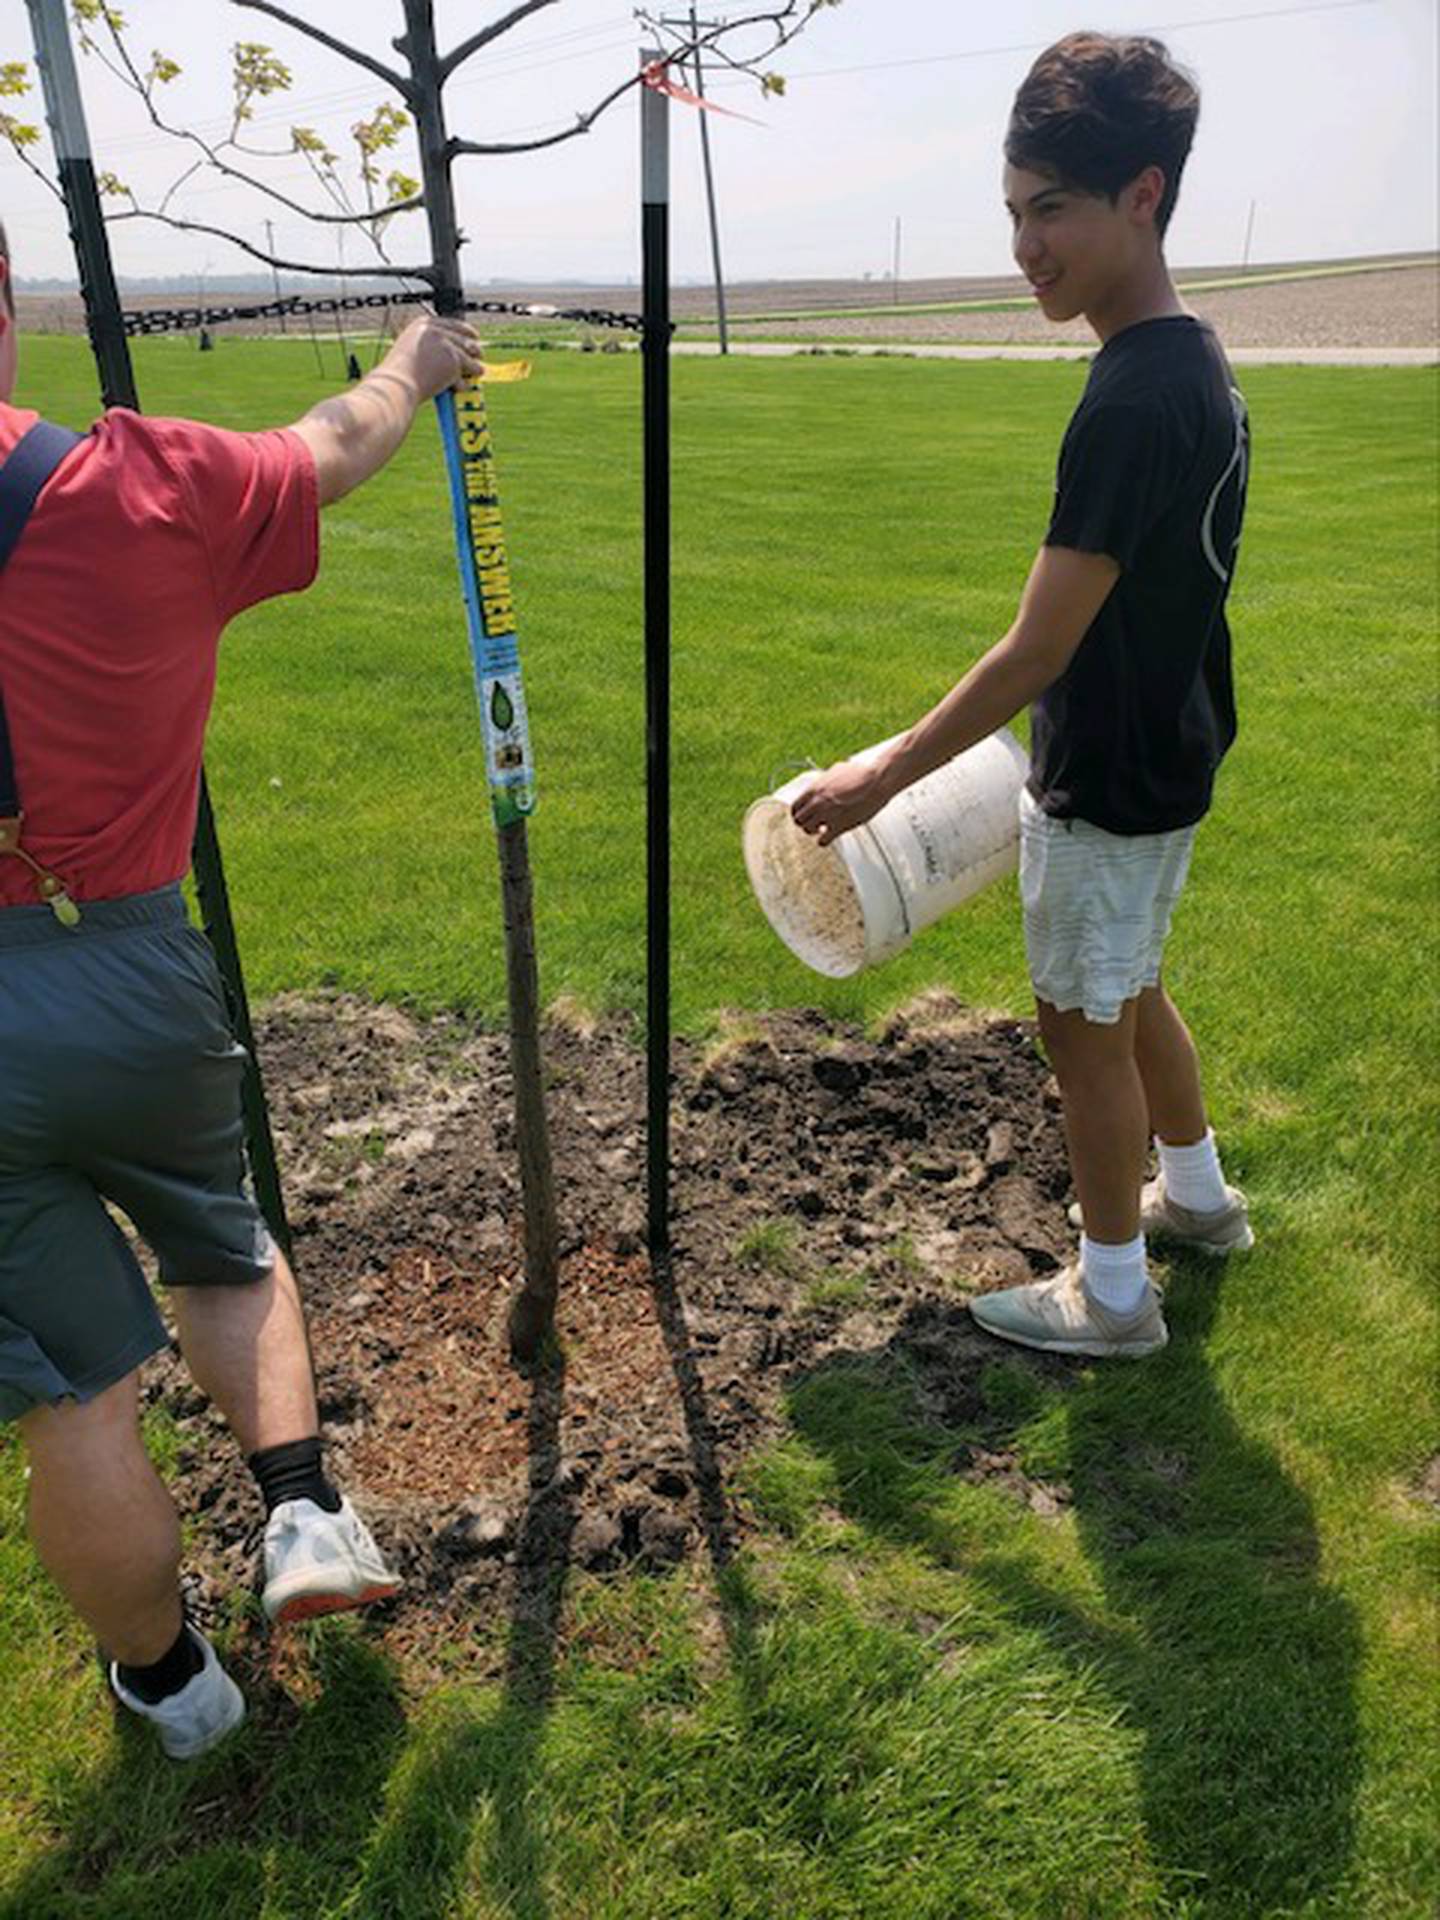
66	115
655	219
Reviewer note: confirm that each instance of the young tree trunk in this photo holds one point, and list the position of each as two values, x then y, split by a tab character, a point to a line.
533	1314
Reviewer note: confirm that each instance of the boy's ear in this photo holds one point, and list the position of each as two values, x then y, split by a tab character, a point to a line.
1144	195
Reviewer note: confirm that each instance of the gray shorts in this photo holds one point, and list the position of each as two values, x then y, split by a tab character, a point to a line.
1097	909
120	1082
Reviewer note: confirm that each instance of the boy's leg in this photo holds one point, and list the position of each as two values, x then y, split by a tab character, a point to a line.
102	1522
1102	1303
1170	1068
1190	1203
1105	1114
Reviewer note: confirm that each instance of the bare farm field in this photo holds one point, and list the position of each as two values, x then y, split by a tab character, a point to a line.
1398	308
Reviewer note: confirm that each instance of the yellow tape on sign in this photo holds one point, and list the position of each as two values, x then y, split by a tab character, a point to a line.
496	372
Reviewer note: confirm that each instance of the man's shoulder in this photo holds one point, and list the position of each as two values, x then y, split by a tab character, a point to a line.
15	423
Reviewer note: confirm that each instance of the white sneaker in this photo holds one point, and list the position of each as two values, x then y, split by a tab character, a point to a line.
1225	1230
1059	1316
191	1721
318	1562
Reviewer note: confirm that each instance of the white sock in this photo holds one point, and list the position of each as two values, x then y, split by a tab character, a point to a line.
1192	1174
1115	1276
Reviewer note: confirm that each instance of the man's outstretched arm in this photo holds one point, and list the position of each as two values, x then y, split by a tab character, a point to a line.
1065	591
351	435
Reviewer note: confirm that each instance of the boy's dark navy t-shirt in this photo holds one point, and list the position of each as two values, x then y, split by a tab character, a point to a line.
1153	470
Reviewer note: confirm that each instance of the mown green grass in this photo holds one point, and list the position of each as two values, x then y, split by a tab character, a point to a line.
1207	1686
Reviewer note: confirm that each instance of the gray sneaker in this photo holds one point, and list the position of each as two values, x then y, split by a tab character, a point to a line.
191	1721
1059	1316
1224	1230
318	1562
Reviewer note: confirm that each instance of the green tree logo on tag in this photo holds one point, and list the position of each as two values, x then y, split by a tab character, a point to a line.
502	712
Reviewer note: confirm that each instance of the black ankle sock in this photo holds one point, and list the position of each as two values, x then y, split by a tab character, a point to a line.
168	1674
292	1471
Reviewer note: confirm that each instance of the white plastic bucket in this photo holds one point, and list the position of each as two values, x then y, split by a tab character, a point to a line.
864	897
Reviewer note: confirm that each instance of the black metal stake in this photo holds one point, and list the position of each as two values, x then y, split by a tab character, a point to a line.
66	114
655	349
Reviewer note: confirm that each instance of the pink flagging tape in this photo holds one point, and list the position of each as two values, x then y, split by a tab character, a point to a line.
657	76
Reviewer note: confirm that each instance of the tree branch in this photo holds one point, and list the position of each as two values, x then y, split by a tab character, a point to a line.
784	22
583	124
39	172
399	81
132	77
425	273
346	219
458	55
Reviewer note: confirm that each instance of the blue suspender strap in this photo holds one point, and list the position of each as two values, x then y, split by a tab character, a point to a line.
33	459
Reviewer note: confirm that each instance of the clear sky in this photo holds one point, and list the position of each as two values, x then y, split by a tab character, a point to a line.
1322	115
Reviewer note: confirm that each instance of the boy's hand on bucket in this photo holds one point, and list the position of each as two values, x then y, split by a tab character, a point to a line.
844	797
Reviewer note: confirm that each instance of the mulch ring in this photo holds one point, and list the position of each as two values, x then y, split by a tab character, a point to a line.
833	1195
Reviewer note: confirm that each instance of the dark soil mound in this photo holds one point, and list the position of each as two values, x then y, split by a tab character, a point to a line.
832	1195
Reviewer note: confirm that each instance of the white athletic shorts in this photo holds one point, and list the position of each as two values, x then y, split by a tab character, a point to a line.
1097	908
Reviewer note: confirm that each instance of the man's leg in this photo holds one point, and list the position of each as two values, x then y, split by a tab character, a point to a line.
245	1346
1106	1116
102	1522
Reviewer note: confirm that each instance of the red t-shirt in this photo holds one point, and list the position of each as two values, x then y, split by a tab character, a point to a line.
145	541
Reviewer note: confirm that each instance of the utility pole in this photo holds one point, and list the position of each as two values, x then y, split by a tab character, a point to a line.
274	270
695	26
1249	230
895	269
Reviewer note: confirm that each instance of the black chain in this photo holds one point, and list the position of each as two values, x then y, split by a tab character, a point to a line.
178	319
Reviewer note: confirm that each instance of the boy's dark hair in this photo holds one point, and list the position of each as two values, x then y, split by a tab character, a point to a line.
5	256
1096	109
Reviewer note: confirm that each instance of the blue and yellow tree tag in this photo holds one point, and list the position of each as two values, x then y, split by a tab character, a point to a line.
489	602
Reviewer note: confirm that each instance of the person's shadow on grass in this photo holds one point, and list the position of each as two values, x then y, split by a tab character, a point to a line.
427	1835
260	1823
311	1810
425	1844
1232	1656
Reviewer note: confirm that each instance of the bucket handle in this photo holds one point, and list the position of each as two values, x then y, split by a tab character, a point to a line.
877	848
802	765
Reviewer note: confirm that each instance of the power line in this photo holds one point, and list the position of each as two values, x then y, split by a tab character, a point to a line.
1035	46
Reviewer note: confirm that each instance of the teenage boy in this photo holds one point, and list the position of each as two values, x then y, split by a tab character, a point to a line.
121	1078
1121	645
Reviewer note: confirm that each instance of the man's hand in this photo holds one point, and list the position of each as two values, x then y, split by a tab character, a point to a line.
351	435
436	353
844	797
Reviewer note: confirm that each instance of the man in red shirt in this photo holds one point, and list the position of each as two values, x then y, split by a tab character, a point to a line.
121	1077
